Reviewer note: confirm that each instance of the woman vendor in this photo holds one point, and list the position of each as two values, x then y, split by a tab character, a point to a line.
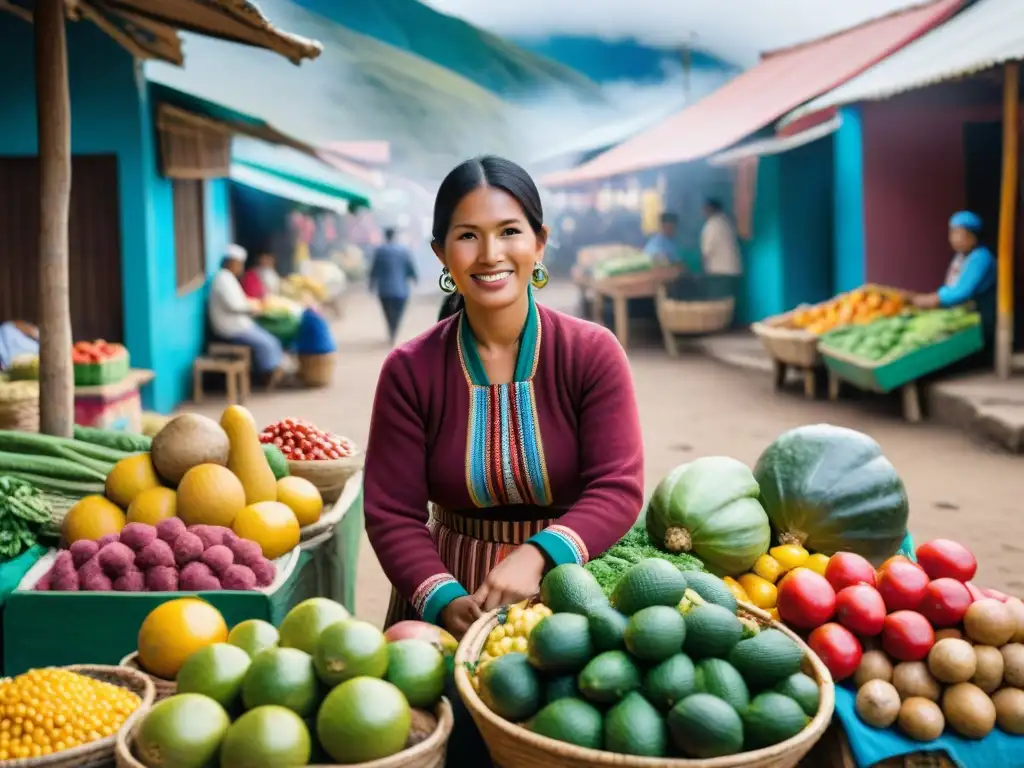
515	424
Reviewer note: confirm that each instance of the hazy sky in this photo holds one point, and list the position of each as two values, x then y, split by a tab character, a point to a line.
736	30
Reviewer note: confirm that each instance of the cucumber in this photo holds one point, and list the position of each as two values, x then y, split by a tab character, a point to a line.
649	583
118	441
711	630
771	719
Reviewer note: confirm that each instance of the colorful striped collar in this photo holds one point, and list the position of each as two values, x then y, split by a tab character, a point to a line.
526	360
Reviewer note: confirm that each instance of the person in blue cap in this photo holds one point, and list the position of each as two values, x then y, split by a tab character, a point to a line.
972	272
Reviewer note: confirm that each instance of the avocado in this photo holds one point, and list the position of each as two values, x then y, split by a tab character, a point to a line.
510	688
562	687
608	677
669	682
771	719
570	720
561	643
767	658
721	679
712	589
655	633
711	630
634	727
649	582
607	628
803	690
703	726
569	588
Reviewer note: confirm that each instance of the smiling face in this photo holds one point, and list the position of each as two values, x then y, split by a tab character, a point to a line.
491	249
962	240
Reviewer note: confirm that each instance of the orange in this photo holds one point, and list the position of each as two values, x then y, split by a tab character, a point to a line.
270	524
175	630
92	517
302	498
130	477
210	494
153	506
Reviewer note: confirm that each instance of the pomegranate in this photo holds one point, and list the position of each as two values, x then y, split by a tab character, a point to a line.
907	636
902	586
806	599
945	602
838	649
861	609
848	568
947	559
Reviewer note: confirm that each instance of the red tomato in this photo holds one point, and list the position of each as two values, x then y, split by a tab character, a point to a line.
902	586
907	636
845	569
806	599
947	559
838	649
945	602
890	561
976	592
861	609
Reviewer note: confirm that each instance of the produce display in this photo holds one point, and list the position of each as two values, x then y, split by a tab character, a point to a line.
858	307
301	441
24	368
664	667
99	362
894	337
324	687
625	264
635	546
24	516
93	352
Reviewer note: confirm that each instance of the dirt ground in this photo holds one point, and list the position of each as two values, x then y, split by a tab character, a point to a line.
693	407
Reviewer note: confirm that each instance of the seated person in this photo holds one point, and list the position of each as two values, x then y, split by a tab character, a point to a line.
261	280
662	246
17	337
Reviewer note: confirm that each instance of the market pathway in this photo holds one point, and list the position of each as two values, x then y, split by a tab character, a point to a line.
696	407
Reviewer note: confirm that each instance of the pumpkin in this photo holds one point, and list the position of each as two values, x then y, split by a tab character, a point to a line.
710	507
830	489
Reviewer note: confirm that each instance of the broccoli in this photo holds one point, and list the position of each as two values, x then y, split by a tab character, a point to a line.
631	549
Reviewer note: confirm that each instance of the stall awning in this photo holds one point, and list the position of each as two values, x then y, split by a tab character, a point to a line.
287	190
984	35
779	83
776	145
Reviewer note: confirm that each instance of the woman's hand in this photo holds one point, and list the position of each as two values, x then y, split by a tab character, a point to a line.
926	300
515	578
459	614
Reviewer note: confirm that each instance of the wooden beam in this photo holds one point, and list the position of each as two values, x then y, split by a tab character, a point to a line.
1008	218
53	109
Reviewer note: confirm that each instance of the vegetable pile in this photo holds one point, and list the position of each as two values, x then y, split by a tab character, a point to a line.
93	352
635	546
301	441
895	337
24	516
863	305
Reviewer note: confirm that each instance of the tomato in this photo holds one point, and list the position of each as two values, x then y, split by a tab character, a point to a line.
838	649
902	586
945	602
806	599
861	609
848	568
907	636
333	455
298	456
943	558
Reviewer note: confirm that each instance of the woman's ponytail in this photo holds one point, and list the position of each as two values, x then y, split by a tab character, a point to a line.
452	305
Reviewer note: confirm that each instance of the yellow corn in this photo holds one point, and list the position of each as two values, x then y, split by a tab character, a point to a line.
762	592
513	636
737	591
817	563
768	568
789	556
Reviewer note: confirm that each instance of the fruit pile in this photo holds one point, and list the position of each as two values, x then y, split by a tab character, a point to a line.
46	711
895	337
93	352
759	586
301	441
858	307
666	667
324	687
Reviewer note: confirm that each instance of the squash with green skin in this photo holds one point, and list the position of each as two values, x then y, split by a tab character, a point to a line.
831	489
709	507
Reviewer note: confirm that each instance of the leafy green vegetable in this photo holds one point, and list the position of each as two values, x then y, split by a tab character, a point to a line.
635	546
23	514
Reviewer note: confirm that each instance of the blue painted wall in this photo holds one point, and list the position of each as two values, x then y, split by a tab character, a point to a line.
763	274
848	162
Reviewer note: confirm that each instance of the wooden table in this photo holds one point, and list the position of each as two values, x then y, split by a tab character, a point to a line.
620	289
113	406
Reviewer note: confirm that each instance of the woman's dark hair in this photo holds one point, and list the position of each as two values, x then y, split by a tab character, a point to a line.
486	171
713	204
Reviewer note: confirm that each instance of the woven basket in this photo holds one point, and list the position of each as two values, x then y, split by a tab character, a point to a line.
317	370
429	753
20	415
512	746
694	316
328	476
102	752
161	688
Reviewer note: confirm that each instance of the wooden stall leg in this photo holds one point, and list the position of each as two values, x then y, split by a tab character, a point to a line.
197	385
810	383
670	342
833	386
911	403
231	378
778	374
597	308
622	320
244	377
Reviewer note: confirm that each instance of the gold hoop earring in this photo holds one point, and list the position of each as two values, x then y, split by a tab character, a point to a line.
446	281
540	275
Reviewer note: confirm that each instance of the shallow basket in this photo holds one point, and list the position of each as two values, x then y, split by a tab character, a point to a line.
429	753
102	752
317	370
329	476
161	688
694	316
20	415
513	746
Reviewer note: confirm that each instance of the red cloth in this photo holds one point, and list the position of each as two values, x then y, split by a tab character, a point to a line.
253	286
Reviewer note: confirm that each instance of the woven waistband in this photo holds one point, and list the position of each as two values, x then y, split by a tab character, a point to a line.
496	531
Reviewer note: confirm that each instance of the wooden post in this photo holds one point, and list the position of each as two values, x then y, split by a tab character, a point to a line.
53	108
1008	218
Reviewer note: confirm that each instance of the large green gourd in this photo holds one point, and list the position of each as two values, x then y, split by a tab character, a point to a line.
709	507
831	489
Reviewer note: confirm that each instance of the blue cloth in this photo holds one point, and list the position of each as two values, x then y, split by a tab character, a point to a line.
966	220
392	270
267	352
14	343
660	246
314	336
976	282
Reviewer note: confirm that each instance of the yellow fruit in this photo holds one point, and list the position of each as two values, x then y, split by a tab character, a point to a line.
737	591
789	556
774	613
175	630
302	498
91	518
817	563
768	568
270	524
245	457
210	495
130	477
153	506
762	593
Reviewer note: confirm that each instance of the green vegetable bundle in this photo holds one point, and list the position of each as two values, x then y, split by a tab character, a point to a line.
24	513
631	549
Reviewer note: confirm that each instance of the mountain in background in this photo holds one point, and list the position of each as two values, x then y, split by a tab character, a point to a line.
492	62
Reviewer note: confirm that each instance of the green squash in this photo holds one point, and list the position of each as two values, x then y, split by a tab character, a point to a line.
830	489
709	507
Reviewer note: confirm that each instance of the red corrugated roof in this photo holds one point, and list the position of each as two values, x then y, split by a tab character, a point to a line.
780	82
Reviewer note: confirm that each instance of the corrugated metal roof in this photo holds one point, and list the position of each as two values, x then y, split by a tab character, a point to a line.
984	35
776	144
762	94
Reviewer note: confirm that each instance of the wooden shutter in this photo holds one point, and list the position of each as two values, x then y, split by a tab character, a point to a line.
192	147
189	233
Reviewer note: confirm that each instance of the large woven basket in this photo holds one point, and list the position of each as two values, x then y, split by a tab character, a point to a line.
161	688
328	476
317	370
429	753
694	316
513	746
20	414
98	753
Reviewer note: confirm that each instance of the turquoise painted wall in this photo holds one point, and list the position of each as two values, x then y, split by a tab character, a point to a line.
848	162
763	275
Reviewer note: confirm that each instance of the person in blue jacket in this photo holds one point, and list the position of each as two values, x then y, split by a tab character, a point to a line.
972	272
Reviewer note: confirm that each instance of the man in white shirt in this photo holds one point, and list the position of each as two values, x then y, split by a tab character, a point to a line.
231	316
719	248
